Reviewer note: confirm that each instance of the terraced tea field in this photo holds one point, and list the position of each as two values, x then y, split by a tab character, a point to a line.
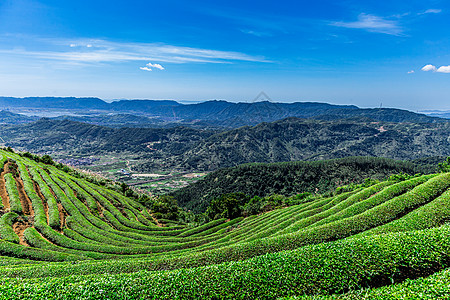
62	237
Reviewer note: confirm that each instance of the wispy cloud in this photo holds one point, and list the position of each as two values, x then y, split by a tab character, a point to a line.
411	72
442	69
256	33
431	11
150	67
91	51
373	23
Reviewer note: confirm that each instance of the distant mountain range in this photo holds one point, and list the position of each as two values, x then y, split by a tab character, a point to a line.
209	114
182	148
439	114
7	117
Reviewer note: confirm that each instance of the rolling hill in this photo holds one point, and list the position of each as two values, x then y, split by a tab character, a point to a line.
182	148
291	178
7	117
62	237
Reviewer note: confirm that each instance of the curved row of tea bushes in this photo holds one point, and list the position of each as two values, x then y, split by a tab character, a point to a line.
6	231
319	269
65	243
3	160
71	204
12	262
118	218
266	225
13	194
53	212
377	199
202	228
138	209
95	234
78	237
317	214
236	252
379	215
248	229
216	230
40	217
20	251
32	236
35	239
331	214
433	214
38	208
429	288
277	224
91	225
88	192
81	194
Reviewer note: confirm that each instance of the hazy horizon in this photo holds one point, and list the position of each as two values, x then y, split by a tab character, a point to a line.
351	52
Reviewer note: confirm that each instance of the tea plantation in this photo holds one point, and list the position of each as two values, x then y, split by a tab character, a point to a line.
63	237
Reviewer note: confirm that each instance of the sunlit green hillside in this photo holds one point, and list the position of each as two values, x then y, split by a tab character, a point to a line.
62	237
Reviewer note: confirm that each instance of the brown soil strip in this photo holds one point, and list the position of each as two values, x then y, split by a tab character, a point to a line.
3	193
19	227
62	215
156	220
100	209
51	190
27	207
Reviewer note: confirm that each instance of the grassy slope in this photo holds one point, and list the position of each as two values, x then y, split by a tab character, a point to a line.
363	239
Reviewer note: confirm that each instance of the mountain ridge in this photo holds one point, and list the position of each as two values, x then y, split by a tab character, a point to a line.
184	148
218	112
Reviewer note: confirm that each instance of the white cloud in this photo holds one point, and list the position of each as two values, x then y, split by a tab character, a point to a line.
256	33
444	69
441	69
97	51
373	24
411	72
428	68
150	67
431	11
156	66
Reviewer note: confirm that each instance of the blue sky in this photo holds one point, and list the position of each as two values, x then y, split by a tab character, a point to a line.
346	52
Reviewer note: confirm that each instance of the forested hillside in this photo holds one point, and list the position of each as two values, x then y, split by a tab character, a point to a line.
291	178
183	148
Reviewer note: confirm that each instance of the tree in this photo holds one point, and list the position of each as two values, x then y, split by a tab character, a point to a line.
228	206
47	159
445	166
